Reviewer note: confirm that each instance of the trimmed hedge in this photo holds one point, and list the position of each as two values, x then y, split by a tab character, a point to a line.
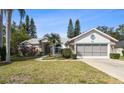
114	55
74	56
123	52
66	52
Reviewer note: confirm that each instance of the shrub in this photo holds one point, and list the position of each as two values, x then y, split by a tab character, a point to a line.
114	55
66	53
74	56
123	52
50	54
3	53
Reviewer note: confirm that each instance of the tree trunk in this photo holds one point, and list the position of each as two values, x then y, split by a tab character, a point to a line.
8	33
1	26
53	52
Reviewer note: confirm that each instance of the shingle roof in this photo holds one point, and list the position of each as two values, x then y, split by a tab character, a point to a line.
31	41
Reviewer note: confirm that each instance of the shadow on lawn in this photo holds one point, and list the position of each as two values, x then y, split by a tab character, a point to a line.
17	59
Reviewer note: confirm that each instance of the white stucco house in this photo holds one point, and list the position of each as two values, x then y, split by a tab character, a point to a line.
42	45
92	44
29	45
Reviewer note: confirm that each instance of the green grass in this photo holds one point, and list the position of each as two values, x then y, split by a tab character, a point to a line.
57	72
53	58
121	58
56	58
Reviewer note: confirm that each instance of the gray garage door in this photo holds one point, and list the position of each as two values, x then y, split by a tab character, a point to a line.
91	49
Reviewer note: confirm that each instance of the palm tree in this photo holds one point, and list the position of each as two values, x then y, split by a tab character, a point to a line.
1	24
53	39
22	14
8	27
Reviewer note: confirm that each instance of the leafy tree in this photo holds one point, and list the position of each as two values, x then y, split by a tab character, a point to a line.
23	34
53	38
105	29
70	32
110	31
120	30
77	28
13	39
33	29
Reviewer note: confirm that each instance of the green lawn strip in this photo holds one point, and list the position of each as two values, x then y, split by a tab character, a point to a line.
53	72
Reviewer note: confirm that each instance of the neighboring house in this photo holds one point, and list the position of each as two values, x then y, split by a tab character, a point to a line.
120	47
43	46
31	43
93	44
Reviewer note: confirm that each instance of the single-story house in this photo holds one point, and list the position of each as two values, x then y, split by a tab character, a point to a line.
42	45
120	47
31	44
92	44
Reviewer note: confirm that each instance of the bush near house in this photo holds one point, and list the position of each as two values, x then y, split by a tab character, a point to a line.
66	53
74	56
29	51
114	55
123	52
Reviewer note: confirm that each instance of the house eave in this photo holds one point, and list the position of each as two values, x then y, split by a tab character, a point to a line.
111	38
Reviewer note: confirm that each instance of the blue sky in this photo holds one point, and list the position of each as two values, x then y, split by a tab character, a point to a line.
56	20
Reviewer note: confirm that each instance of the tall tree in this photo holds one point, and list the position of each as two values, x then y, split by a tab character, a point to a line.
77	28
33	29
27	25
120	30
1	26
22	14
8	32
70	32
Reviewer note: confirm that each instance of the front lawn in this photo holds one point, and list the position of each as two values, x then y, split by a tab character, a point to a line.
121	58
31	71
55	58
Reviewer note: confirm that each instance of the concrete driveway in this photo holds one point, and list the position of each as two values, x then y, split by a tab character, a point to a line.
114	68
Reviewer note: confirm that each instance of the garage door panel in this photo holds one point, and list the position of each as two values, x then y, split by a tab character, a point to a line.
92	50
103	48
96	48
88	54
96	54
104	54
88	49
80	48
80	54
